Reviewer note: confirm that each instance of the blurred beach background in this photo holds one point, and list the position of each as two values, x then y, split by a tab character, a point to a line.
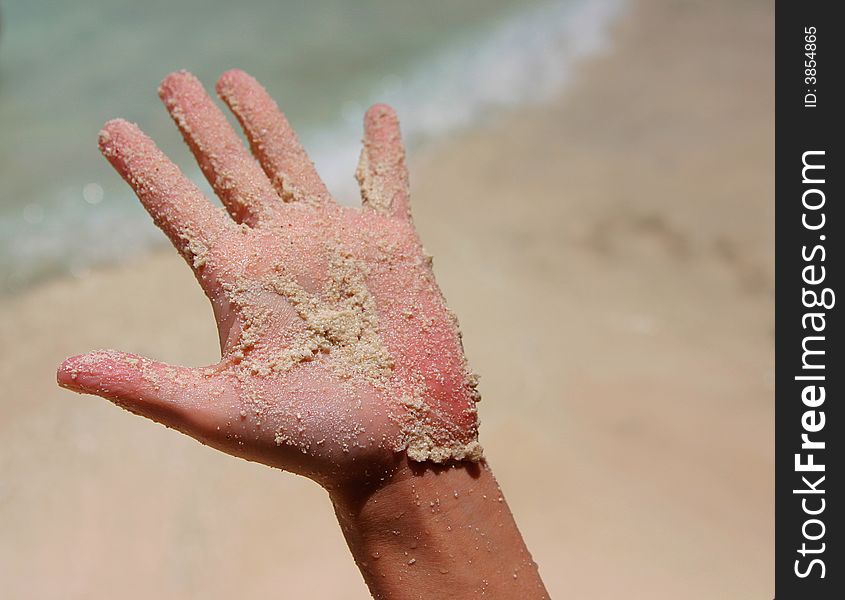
595	181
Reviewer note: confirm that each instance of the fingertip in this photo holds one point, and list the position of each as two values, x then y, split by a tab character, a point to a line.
380	115
176	81
117	132
65	375
113	140
88	372
381	129
107	133
231	79
381	109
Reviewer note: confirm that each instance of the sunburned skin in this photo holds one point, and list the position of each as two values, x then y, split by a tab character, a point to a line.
337	347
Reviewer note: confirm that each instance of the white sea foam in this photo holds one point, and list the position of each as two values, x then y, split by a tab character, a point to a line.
526	58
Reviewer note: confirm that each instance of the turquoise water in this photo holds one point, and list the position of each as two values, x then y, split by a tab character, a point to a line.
67	67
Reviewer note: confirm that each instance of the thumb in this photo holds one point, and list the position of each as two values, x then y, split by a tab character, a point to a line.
177	397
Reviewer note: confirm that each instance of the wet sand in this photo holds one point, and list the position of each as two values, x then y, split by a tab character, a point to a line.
610	259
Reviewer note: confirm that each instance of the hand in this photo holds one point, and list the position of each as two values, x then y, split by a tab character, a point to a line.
338	352
340	360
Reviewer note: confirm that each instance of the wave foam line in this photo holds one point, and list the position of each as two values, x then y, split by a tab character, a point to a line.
525	59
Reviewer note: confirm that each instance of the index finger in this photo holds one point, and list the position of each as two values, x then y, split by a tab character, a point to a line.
176	205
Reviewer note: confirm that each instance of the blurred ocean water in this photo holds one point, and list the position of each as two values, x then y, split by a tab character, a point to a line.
67	67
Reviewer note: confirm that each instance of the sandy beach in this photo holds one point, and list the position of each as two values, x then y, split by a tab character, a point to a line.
610	258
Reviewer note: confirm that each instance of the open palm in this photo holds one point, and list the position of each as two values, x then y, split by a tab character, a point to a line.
338	352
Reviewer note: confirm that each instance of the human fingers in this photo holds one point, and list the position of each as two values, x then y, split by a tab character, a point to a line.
272	139
195	227
381	170
227	165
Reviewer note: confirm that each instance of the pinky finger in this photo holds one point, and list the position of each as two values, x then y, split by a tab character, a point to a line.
381	170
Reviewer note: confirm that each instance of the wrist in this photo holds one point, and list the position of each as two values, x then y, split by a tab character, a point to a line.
429	527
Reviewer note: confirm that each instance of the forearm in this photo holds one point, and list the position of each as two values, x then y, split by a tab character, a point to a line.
438	533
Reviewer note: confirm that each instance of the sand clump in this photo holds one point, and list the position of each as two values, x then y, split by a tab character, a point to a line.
344	324
372	191
341	322
421	436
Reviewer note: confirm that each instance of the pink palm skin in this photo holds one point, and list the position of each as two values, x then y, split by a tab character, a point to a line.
338	354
